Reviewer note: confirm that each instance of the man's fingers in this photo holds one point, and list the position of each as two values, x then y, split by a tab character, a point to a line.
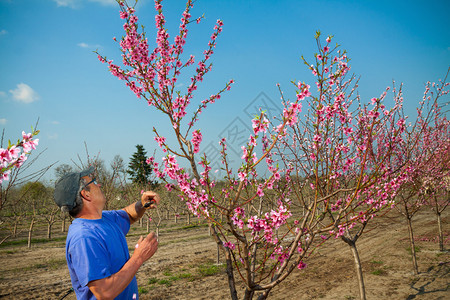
139	241
150	197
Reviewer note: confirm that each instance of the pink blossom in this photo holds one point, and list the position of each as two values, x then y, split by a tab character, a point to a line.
30	145
229	245
260	192
196	140
123	14
4	176
301	265
160	140
242	176
150	160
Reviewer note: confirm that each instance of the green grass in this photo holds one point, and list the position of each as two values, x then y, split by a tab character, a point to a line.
417	248
376	262
33	241
379	272
142	290
174	278
53	264
194	226
185	276
11	251
209	269
152	280
170	280
166	282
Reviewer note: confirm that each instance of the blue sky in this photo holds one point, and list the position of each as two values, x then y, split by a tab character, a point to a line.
49	70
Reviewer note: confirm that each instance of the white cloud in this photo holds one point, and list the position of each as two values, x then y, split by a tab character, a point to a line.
3	121
85	45
2	94
3	32
77	3
24	93
67	3
55	122
105	2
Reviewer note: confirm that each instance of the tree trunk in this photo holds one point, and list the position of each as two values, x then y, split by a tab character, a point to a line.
264	295
229	262
359	273
358	267
30	232
63	224
231	283
248	294
218	255
188	218
441	234
49	231
438	215
15	229
413	248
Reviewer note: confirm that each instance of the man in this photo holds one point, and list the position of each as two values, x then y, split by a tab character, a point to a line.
97	253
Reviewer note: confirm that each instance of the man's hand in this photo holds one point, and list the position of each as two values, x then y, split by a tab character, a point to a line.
149	198
146	247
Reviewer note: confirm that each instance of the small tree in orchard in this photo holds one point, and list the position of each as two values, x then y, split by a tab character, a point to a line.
12	160
338	154
12	157
424	143
436	179
322	178
33	194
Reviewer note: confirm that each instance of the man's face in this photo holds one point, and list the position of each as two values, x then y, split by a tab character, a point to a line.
94	190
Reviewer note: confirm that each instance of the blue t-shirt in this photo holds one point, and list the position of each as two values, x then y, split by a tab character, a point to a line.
97	249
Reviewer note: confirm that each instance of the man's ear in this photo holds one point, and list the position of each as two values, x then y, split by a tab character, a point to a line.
86	195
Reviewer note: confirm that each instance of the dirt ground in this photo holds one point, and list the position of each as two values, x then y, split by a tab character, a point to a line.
184	266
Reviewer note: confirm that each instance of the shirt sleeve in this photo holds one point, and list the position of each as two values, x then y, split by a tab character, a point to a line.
90	260
120	218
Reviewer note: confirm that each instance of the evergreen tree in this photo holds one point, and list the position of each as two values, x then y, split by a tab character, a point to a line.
138	169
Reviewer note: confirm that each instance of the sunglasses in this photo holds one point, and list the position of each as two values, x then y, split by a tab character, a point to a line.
94	181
